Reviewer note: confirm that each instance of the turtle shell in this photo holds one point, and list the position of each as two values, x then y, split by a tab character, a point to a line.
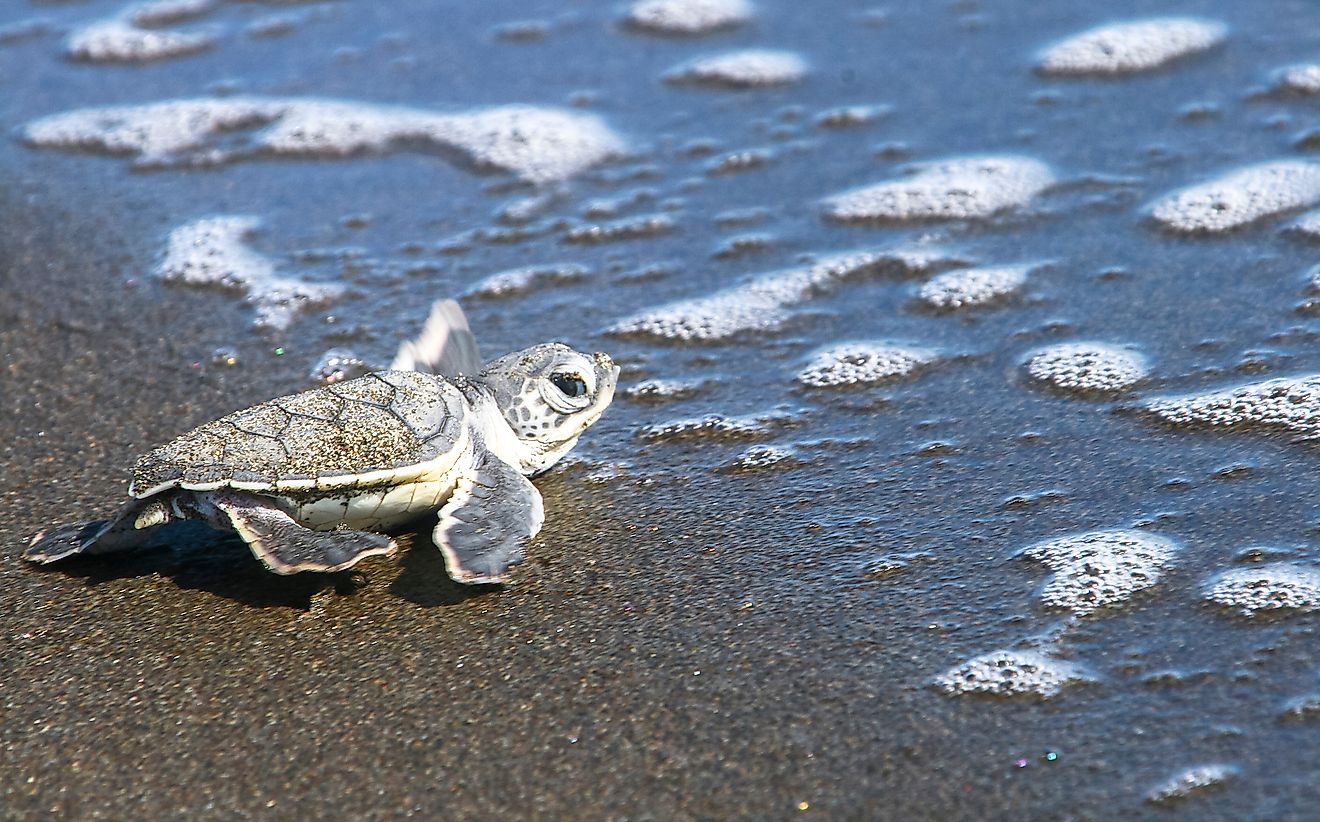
379	429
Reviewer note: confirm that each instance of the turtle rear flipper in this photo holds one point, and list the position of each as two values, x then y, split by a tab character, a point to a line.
54	544
286	547
124	532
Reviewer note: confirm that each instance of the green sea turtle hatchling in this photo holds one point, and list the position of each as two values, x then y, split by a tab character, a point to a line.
310	480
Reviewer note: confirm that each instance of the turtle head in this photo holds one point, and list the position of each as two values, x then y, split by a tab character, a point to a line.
549	394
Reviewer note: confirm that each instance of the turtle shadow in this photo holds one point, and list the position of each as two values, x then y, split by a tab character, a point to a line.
197	558
423	579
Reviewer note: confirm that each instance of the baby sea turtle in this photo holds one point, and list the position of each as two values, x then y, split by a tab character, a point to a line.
310	480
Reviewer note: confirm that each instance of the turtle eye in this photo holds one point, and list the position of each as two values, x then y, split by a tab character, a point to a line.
569	384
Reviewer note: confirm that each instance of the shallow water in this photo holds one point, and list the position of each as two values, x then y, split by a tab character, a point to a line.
751	591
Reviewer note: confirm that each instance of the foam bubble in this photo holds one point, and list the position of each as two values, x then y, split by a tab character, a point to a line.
1123	48
1240	197
1100	569
850	116
225	356
337	365
1088	366
628	228
537	144
742	69
762	304
522	280
1009	673
1191	781
1290	403
760	458
969	287
658	390
212	252
739	161
1265	588
1305	226
1302	709
887	566
742	244
861	363
957	189
1303	78
118	41
712	427
688	16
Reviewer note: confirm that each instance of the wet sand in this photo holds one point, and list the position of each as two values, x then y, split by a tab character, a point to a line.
660	656
642	665
664	654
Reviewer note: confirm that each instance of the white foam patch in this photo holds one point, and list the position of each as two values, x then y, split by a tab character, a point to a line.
742	69
157	134
537	144
1124	48
1290	403
763	304
1088	366
851	116
1266	588
863	362
211	252
711	427
761	457
522	280
957	189
1009	673
661	390
119	41
1101	569
1303	78
1306	225
1240	197
740	161
1191	781
970	287
628	228
688	16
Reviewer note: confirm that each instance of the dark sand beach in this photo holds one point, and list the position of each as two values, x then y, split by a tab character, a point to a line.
702	630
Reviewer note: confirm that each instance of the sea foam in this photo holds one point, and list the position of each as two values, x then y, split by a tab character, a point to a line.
537	144
1125	48
956	189
213	252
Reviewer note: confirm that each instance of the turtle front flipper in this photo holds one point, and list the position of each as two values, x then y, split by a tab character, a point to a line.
121	533
485	526
286	547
